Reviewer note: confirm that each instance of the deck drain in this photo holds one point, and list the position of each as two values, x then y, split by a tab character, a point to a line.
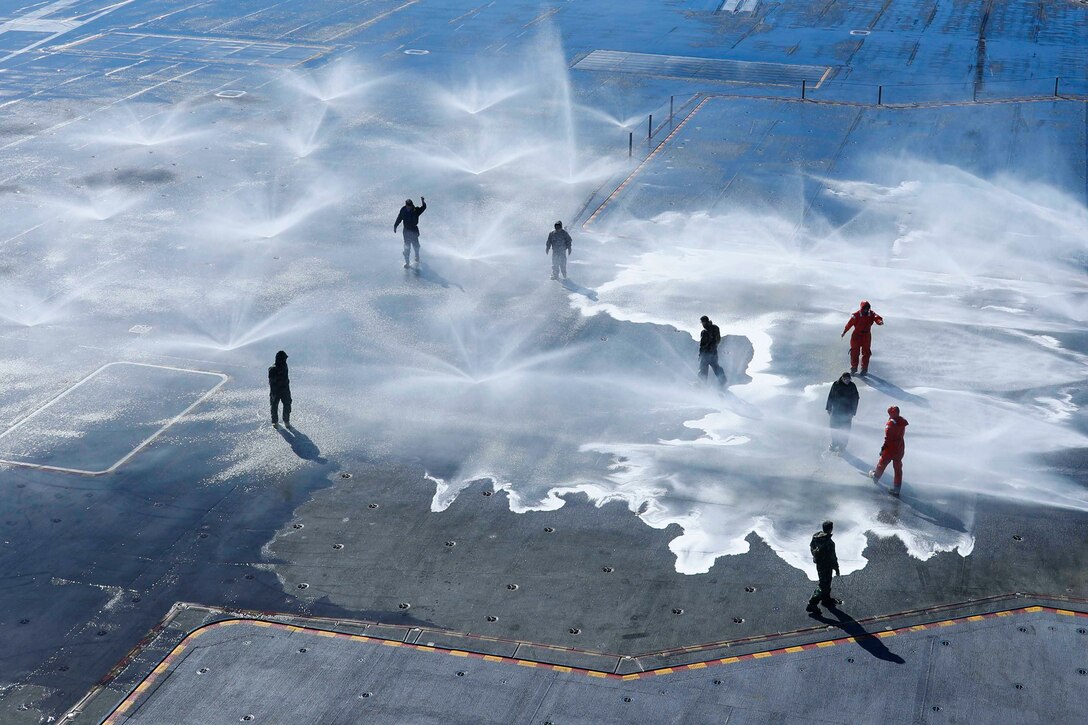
1018	686
749	589
512	587
491	618
461	674
367	694
101	633
338	546
717	682
56	521
24	621
738	620
372	505
345	474
303	585
1021	629
1082	630
63	668
677	610
607	570
298	526
451	543
488	493
627	699
202	535
202	671
1017	537
945	643
549	530
248	576
850	660
574	630
302	650
404	605
1082	671
936	708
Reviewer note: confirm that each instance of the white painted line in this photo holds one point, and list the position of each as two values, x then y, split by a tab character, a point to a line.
143	444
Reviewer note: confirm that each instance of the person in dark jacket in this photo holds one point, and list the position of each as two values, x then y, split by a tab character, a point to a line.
893	449
842	406
559	245
708	350
279	390
827	563
409	216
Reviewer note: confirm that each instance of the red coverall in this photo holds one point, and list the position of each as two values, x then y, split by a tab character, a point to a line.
893	448
861	338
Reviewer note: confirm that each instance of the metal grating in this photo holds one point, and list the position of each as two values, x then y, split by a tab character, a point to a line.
710	69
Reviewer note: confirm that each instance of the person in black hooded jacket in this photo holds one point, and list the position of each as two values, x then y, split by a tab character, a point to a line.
842	406
279	390
409	217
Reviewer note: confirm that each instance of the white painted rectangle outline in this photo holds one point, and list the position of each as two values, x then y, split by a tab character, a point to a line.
43	467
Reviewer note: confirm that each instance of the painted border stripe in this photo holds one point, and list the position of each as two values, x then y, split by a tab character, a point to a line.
174	655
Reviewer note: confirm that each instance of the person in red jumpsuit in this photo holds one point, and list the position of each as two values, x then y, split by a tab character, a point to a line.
892	450
861	338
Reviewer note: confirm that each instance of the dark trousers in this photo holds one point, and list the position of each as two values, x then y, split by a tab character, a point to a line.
710	360
840	431
559	263
411	242
822	595
276	397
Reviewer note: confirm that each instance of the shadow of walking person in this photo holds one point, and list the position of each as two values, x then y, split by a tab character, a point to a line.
303	447
866	640
893	391
579	289
426	273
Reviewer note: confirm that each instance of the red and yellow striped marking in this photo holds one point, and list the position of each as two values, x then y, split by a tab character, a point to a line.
623	185
175	654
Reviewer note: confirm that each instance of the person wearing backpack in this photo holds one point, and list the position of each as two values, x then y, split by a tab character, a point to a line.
823	554
708	351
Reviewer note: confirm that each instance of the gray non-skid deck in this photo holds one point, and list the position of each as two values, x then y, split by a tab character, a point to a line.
193	186
1022	665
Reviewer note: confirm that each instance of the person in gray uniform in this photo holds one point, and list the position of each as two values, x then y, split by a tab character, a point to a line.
559	246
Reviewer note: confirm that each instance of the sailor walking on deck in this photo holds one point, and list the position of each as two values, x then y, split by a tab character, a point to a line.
279	390
559	242
409	216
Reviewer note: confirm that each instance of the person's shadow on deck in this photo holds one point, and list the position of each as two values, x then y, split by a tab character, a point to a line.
301	444
893	391
426	273
866	640
579	289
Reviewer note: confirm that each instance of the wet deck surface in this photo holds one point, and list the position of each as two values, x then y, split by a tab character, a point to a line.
90	564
